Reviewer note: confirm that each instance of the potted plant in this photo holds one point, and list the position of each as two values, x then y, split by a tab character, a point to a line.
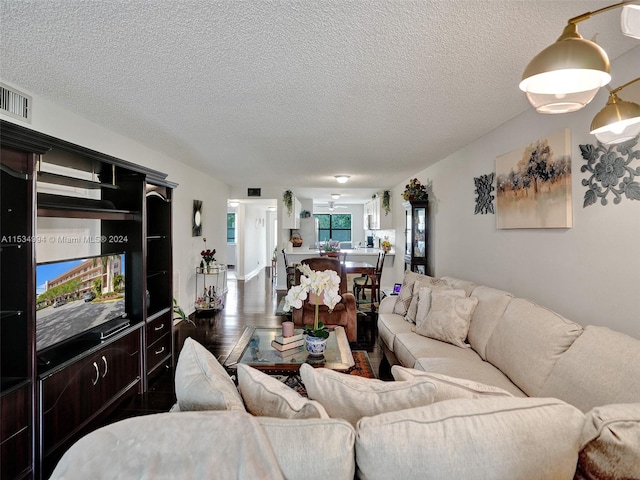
415	191
287	199
386	202
330	250
318	287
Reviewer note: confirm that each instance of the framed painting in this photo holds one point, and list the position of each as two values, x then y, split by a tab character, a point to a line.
533	184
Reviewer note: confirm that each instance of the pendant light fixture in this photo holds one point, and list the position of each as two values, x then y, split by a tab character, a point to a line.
567	75
342	178
618	121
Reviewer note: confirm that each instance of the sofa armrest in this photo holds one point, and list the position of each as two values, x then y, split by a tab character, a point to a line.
387	303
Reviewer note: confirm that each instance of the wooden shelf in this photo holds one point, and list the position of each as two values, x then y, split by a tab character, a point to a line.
56	179
50	205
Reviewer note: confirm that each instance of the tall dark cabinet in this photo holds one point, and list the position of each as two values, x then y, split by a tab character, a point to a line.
51	397
416	256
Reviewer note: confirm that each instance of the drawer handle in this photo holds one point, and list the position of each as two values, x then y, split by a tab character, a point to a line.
160	351
106	367
159	327
95	380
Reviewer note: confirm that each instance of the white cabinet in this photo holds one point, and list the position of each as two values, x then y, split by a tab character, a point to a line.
291	220
375	218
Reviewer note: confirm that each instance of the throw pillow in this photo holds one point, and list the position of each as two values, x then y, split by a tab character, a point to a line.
424	301
202	383
449	387
266	396
610	443
406	292
351	398
449	318
428	282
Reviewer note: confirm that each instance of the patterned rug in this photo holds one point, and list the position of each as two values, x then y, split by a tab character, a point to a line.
362	368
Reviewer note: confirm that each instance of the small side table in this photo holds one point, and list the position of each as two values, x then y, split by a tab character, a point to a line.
211	287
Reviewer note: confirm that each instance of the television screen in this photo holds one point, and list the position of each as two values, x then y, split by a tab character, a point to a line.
74	296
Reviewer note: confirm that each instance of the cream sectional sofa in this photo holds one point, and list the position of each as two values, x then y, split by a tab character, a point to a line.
483	411
521	347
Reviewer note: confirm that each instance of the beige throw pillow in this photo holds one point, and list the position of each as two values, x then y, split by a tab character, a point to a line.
425	282
425	299
406	293
202	383
266	396
449	318
449	387
351	398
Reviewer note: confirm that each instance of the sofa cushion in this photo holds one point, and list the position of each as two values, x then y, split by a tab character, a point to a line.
610	443
491	306
295	441
449	316
448	387
472	368
202	383
497	438
601	367
420	283
425	298
457	283
266	396
528	341
222	444
389	325
351	398
409	347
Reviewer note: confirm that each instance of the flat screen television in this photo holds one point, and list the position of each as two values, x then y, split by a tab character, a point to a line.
76	296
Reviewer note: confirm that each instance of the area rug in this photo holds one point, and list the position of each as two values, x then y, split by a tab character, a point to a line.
362	368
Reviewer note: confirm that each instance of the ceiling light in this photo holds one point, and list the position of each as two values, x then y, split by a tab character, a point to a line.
630	21
618	121
342	178
335	196
566	76
234	203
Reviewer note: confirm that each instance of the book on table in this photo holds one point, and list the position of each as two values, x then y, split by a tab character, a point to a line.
287	346
297	336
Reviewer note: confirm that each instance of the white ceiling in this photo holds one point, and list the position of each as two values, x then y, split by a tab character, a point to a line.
290	93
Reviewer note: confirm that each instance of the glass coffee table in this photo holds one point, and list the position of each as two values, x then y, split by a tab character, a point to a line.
254	349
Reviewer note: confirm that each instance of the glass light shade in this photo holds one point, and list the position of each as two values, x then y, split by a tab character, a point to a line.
234	203
630	20
617	122
342	178
335	196
567	75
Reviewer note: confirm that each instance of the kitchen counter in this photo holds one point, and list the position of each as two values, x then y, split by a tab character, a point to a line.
369	255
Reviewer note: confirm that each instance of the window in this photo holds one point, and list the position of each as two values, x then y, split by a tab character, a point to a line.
231	228
334	227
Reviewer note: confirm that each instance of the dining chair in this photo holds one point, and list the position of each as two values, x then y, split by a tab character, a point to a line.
365	282
290	271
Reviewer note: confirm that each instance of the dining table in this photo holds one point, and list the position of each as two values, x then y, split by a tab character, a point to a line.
363	268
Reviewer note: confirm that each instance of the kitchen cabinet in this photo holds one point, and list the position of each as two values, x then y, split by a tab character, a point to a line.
375	216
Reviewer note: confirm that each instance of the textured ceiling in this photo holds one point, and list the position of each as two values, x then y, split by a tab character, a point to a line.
290	93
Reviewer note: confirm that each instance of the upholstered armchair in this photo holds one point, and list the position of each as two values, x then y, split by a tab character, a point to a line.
344	314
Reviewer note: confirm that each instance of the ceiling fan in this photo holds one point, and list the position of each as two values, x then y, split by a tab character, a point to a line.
332	205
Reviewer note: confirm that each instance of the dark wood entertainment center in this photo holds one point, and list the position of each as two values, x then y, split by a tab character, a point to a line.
48	401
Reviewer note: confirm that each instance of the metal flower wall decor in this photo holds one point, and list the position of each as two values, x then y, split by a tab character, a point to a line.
484	187
610	172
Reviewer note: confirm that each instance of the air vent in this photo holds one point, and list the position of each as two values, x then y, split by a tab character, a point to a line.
15	103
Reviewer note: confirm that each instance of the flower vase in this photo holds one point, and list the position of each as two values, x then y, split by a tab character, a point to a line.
315	345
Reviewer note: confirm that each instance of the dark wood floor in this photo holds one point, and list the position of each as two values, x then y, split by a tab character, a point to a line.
250	303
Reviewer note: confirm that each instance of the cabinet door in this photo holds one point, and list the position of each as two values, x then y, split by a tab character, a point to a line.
74	394
15	432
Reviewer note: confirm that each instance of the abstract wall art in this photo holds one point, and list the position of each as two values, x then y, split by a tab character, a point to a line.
533	184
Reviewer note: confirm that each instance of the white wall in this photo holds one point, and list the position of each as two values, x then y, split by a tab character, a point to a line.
588	273
193	185
253	241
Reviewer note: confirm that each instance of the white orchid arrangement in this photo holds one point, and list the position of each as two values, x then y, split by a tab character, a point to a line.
324	285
